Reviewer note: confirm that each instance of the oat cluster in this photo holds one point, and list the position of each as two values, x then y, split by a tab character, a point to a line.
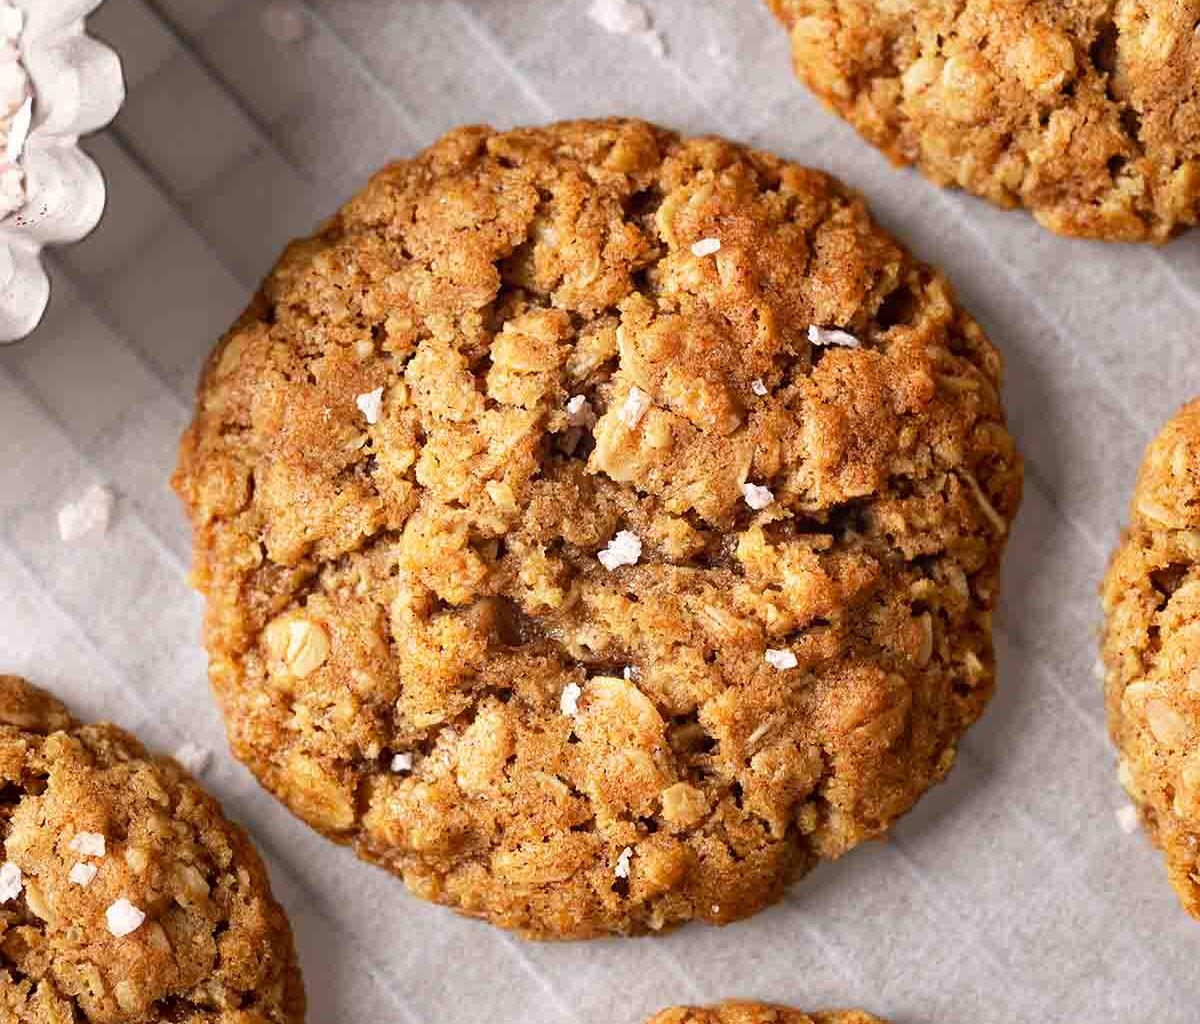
632	602
1085	111
757	1013
125	895
1151	650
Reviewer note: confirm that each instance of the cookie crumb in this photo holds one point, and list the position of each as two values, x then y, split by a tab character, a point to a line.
90	514
624	549
757	497
370	405
123	918
193	757
830	336
10	882
758	387
579	412
636	404
1127	818
706	247
82	874
402	763
89	844
622	868
569	701
781	659
284	22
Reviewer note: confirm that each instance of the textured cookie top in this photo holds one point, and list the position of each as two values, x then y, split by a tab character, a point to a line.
598	527
1151	649
125	895
757	1013
1084	111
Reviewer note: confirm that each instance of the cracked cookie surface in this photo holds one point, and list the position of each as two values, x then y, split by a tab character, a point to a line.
1085	111
1151	650
758	1013
549	562
125	895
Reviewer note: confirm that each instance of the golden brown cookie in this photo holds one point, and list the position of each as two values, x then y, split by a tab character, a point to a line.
1151	649
757	1013
600	527
1084	111
125	895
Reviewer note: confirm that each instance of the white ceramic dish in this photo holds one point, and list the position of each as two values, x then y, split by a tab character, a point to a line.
78	88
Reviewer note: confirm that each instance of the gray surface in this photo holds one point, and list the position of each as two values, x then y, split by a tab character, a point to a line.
1009	894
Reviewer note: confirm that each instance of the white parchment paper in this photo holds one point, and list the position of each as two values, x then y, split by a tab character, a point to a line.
1010	894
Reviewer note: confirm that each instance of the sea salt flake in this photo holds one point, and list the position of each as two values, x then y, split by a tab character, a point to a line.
90	514
1127	819
579	412
825	336
1098	670
706	247
370	405
123	918
18	132
10	882
781	659
11	21
89	844
622	868
758	387
193	757
631	673
637	402
624	549
82	874
622	17
568	703
284	22
402	762
757	497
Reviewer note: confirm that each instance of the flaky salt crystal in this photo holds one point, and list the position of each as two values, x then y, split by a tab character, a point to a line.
622	867
1127	818
123	918
90	514
89	844
830	336
568	703
624	549
370	405
758	387
10	882
706	247
193	757
637	402
402	762
82	874
781	659
757	497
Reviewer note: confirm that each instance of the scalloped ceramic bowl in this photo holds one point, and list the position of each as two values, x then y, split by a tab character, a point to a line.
78	88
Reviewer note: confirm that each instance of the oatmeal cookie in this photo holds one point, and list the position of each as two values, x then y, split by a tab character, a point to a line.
757	1013
599	527
1085	111
125	895
1151	650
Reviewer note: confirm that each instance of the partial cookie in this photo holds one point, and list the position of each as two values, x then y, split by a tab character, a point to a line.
758	1013
125	895
1086	112
1151	649
600	527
